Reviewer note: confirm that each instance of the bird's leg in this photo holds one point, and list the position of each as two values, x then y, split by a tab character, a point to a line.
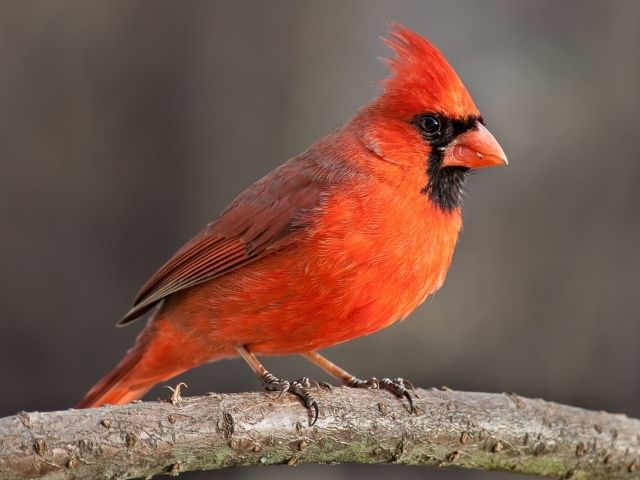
273	384
397	386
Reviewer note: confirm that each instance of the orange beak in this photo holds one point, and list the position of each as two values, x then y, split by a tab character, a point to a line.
476	148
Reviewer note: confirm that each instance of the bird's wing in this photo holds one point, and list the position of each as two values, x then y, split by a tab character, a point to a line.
268	216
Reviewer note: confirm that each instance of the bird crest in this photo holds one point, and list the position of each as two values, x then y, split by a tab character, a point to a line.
421	78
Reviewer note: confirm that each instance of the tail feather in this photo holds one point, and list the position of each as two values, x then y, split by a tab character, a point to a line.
118	386
154	358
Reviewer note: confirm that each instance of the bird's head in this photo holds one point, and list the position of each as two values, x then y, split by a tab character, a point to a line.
426	118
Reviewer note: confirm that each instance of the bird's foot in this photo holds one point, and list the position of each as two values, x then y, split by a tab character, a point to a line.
400	387
297	387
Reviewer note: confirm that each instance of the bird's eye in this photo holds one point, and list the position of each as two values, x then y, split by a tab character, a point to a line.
429	125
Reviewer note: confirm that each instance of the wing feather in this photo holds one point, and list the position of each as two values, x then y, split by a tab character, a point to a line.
268	216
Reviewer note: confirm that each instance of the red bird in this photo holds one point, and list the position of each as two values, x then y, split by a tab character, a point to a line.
339	242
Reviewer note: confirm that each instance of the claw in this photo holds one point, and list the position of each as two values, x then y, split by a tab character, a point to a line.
274	384
316	411
297	387
312	405
398	386
371	383
409	398
405	383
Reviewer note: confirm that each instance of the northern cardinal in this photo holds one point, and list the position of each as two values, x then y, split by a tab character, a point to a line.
339	242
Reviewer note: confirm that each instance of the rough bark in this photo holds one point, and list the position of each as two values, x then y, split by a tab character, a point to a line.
471	430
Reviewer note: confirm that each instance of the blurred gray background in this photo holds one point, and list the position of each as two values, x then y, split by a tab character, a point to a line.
127	125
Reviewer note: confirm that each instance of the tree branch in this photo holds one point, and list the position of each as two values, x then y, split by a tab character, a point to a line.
471	430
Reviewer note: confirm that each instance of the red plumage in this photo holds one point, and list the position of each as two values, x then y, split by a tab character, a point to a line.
339	242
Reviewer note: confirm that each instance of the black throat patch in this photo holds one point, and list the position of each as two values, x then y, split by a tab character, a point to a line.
445	184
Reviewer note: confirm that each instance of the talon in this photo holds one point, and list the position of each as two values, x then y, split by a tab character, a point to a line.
398	386
316	412
405	383
358	383
282	392
409	398
298	388
272	383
